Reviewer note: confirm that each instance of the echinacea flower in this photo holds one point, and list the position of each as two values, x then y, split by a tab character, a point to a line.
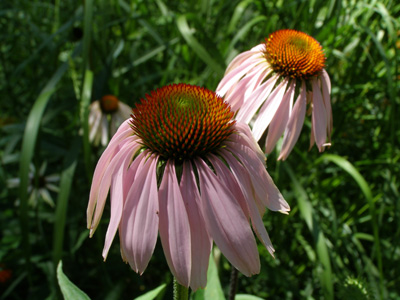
105	116
263	82
183	168
40	185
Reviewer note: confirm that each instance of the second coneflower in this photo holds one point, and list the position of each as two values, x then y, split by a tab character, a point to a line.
105	116
183	168
262	83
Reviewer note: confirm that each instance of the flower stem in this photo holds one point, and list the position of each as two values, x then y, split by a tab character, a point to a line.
233	283
180	292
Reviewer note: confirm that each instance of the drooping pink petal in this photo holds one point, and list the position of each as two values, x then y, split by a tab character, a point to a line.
227	179
269	109
244	136
260	49
295	124
236	97
128	149
238	60
263	185
139	224
124	131
280	120
326	79
326	91
319	119
104	130
255	100
94	120
233	77
227	223
201	243
174	226
244	181
121	183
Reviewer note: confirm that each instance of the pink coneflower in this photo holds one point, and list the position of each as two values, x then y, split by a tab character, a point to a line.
261	83
105	116
181	166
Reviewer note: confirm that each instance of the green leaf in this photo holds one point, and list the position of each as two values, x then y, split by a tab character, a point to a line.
67	176
362	183
307	212
28	149
213	289
152	294
187	34
69	290
247	297
85	101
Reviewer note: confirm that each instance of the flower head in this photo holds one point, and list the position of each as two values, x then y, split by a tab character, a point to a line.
105	116
39	186
181	166
262	83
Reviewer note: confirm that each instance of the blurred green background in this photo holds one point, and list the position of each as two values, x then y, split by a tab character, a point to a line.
342	236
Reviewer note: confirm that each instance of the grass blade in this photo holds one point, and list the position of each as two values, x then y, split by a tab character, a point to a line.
62	201
362	183
307	212
28	148
187	34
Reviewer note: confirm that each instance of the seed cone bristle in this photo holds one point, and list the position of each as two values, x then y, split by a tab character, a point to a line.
182	121
294	54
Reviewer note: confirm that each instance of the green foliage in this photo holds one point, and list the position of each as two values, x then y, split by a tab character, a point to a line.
69	290
58	56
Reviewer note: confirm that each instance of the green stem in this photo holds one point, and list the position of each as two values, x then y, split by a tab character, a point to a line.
233	283
180	292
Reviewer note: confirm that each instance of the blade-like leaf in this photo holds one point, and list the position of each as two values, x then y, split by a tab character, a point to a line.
152	294
69	290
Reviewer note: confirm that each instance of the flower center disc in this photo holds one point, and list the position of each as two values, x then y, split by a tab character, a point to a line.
109	103
295	54
182	121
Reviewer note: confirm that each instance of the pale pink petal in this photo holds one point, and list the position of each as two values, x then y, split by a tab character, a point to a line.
255	100
174	226
128	149
244	136
123	132
94	121
260	48
238	60
244	181
139	224
104	130
124	110
236	96
228	180
243	177
327	80
227	223
268	110
94	110
319	120
280	120
263	185
121	183
233	77
295	124
200	239
326	90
